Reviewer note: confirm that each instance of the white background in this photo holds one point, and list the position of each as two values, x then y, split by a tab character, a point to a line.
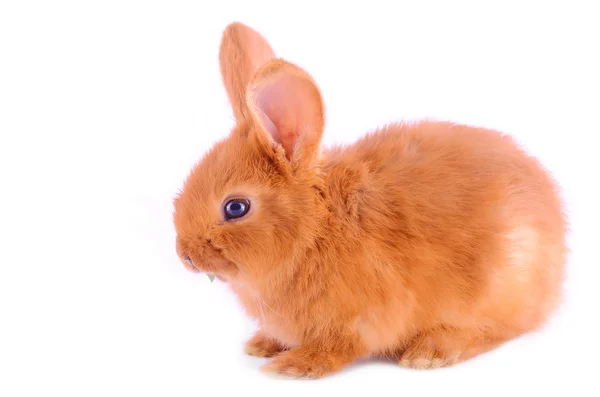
106	105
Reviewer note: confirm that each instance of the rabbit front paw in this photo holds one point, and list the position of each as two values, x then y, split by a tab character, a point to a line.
261	345
307	362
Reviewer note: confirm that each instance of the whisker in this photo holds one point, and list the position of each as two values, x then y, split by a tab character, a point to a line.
269	307
262	313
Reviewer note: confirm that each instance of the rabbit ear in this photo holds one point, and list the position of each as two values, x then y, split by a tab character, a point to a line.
287	104
242	52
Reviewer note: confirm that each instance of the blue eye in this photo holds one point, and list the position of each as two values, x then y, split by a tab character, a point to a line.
236	208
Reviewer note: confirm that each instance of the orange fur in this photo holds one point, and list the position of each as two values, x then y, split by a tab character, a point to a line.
429	242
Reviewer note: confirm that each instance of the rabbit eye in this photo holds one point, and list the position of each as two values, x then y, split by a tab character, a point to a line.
236	208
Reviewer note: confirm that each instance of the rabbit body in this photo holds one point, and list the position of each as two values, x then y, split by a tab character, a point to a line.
426	242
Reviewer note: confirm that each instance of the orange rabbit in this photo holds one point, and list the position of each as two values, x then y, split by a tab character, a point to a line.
426	242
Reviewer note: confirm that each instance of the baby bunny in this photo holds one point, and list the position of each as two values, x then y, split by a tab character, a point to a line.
428	243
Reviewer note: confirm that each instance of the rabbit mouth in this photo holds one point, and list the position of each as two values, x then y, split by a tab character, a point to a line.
224	266
209	260
218	277
221	276
216	264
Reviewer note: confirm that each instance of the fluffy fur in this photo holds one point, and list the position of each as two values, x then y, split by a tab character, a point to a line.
429	242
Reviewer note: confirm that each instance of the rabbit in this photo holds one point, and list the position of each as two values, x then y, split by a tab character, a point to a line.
427	243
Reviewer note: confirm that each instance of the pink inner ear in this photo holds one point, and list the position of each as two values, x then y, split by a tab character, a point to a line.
288	108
